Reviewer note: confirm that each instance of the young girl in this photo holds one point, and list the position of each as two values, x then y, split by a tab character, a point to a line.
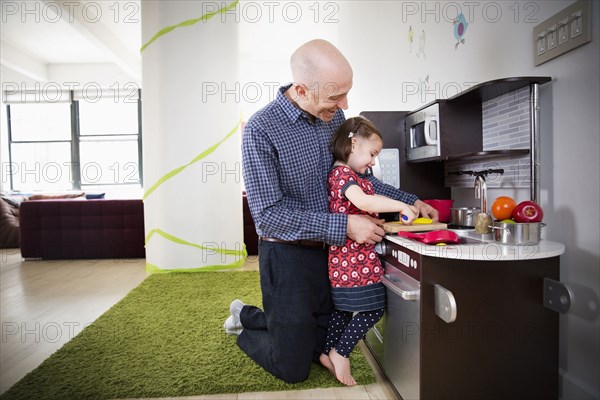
354	269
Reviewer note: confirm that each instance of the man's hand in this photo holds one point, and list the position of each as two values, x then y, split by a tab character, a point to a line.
364	229
426	211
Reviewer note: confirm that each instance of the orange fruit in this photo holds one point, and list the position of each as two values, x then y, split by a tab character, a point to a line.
503	207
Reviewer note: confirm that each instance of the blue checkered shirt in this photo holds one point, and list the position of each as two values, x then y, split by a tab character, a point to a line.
286	159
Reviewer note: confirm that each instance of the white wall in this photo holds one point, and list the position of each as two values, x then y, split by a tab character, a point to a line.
498	43
267	42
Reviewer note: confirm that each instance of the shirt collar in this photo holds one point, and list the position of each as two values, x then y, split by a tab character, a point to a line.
289	108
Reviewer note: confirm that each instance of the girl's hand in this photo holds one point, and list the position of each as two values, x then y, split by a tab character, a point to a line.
409	214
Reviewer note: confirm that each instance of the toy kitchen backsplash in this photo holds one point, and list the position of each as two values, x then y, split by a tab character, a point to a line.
506	126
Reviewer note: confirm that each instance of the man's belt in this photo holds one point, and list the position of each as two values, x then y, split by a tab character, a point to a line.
301	243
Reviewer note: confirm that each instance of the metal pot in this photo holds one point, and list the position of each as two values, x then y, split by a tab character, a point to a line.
464	216
517	233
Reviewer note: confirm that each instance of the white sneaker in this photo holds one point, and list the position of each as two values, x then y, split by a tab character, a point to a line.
236	308
231	327
231	324
235	332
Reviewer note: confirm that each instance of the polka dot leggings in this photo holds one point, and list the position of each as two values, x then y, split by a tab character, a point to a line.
345	331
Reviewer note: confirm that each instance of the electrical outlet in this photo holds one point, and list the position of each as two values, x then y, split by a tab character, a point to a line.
563	32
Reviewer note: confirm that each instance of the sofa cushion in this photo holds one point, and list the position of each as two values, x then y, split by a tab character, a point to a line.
14	200
9	225
57	196
63	229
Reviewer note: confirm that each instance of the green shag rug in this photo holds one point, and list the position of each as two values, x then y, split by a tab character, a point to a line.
166	339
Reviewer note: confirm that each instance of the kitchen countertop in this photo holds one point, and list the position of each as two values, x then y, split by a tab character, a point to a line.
482	248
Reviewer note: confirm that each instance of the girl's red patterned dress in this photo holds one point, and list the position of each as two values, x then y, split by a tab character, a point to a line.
352	264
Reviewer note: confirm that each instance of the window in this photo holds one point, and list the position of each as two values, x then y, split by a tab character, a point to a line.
89	145
40	146
109	145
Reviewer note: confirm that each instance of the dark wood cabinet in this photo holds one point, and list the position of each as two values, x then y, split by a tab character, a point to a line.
469	326
460	127
503	343
461	136
426	180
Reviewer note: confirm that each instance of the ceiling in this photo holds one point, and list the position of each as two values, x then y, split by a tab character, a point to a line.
41	40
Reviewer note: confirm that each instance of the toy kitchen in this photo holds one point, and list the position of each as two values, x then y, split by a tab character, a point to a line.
475	314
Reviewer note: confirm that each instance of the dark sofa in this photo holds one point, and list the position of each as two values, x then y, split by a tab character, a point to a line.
9	225
82	229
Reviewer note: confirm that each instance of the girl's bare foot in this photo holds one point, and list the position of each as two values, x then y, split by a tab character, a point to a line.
326	362
341	366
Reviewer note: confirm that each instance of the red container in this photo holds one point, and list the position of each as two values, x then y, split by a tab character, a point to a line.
443	207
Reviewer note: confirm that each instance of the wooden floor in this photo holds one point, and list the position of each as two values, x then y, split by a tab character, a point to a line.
45	303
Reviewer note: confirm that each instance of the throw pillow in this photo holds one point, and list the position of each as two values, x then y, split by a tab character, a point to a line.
94	196
56	196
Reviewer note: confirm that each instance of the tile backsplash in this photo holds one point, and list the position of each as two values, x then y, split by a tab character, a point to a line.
506	126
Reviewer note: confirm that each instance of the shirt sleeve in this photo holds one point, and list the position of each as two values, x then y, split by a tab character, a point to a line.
390	191
266	199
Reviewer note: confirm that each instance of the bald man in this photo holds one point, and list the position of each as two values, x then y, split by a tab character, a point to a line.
286	159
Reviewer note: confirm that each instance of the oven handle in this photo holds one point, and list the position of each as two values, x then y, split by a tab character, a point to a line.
402	288
444	304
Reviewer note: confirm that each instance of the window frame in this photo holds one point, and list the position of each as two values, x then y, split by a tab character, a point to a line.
75	143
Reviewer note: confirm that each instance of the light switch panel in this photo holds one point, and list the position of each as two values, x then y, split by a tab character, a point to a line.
551	37
563	32
575	23
541	43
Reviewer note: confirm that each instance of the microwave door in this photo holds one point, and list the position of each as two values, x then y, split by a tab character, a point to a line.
417	135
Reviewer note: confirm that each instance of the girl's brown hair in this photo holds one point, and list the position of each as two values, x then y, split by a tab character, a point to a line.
341	143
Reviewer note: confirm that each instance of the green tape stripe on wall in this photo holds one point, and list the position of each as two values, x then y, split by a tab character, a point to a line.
199	157
188	22
151	268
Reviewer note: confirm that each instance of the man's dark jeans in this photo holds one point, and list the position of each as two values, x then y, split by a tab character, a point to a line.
290	333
